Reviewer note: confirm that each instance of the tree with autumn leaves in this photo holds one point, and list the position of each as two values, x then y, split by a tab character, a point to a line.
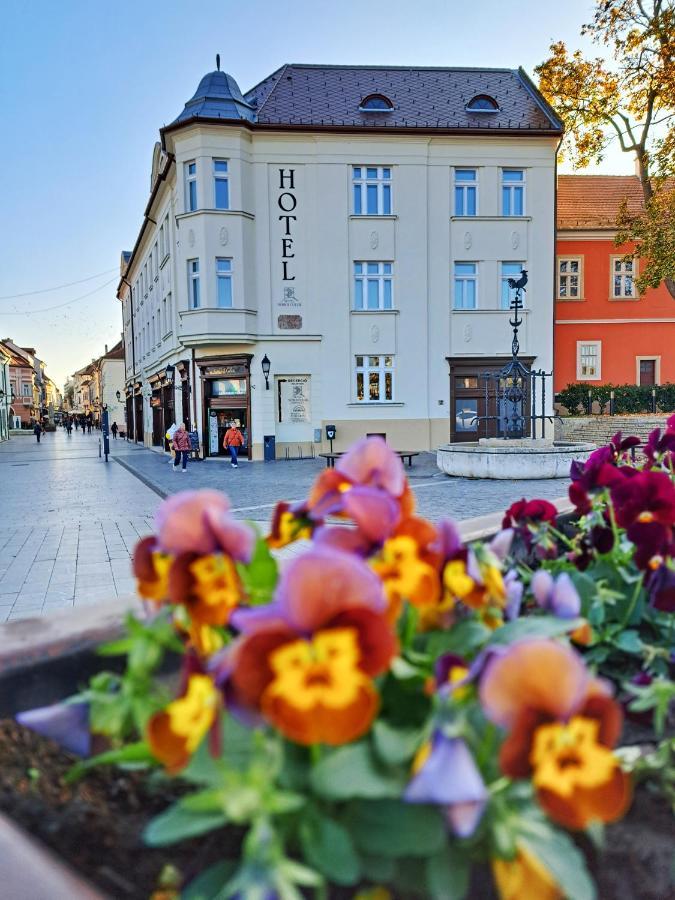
627	97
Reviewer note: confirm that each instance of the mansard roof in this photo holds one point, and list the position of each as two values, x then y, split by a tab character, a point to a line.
330	97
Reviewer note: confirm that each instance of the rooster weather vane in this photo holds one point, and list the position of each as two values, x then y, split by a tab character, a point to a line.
518	285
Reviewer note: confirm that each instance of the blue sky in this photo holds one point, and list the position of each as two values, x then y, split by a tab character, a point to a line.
86	84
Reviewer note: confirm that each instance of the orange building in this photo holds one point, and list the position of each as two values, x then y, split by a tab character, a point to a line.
605	331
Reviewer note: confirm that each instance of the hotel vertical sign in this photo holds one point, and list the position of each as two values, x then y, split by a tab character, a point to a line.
286	247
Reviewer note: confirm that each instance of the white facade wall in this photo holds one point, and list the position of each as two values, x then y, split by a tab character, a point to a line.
422	239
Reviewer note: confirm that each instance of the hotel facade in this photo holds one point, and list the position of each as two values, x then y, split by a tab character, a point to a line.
334	247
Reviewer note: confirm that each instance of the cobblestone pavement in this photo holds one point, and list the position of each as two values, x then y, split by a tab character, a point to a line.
70	521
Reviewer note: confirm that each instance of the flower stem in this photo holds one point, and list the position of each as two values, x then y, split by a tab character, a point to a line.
633	602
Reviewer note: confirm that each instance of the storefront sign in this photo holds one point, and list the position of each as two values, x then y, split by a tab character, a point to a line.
294	399
215	371
213	433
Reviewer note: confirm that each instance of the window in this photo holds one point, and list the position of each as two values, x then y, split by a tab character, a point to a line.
373	285
509	270
190	186
26	389
513	192
155	257
466	285
372	190
588	360
167	235
482	103
193	282
161	241
374	378
623	273
221	184
569	278
466	192
376	103
224	283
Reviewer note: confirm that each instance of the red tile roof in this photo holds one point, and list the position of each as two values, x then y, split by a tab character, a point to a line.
593	201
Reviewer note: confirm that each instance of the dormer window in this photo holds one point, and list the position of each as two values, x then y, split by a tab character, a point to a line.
482	103
376	103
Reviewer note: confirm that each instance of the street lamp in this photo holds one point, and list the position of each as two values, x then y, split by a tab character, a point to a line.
118	395
169	372
266	366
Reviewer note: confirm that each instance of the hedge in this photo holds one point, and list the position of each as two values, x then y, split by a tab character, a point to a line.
628	398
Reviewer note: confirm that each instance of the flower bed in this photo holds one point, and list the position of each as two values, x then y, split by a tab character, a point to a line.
394	711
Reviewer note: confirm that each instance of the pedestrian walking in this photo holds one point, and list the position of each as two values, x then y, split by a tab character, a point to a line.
232	441
37	431
113	428
170	432
69	426
181	444
89	427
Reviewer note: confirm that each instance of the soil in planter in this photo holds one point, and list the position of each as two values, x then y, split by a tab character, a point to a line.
96	826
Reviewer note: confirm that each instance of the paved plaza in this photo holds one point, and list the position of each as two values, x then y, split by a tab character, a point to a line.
70	521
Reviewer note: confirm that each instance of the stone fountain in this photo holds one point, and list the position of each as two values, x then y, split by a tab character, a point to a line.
517	397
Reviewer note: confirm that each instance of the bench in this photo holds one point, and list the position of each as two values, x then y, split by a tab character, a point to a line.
403	454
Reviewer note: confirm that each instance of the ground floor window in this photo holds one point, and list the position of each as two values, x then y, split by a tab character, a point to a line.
588	360
374	378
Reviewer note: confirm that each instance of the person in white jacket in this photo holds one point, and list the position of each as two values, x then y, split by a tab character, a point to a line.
169	436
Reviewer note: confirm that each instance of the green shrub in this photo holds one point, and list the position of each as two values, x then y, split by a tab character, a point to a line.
628	398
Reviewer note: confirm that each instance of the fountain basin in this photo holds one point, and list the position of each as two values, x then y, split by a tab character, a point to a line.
497	458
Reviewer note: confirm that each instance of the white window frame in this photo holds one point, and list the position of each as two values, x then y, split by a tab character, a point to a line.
190	178
193	276
560	275
623	274
362	277
580	375
221	176
510	186
161	241
464	278
362	181
463	186
225	276
380	368
503	279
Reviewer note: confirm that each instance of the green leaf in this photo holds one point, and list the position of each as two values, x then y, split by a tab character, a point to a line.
179	822
396	746
259	577
534	626
402	669
328	847
393	828
564	861
138	753
587	589
203	802
352	771
462	639
377	868
448	874
629	641
209	884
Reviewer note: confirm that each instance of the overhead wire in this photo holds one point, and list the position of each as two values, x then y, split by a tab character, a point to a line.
58	287
32	312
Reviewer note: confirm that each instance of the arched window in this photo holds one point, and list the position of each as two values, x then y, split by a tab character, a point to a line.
376	103
482	103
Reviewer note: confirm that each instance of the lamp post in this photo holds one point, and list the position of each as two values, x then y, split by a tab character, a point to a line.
266	366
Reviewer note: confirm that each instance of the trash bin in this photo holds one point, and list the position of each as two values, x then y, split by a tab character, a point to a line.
270	447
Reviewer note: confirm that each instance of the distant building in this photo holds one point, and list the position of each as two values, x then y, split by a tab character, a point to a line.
98	383
25	403
605	331
334	246
5	391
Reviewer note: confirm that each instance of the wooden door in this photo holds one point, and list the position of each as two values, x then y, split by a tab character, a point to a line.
647	372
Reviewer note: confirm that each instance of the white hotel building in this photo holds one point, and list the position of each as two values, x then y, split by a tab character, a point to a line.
352	227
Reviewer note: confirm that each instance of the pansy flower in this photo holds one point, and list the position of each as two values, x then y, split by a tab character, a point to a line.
175	733
658	445
445	774
306	662
645	506
289	524
660	584
561	725
558	596
151	568
598	472
524	878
